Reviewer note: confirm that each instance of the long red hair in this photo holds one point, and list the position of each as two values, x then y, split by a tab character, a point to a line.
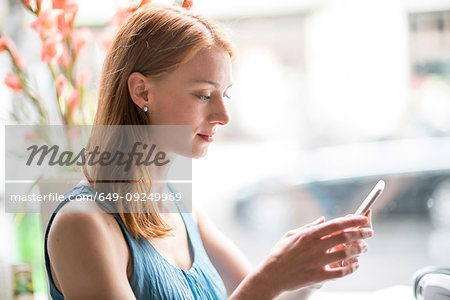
154	40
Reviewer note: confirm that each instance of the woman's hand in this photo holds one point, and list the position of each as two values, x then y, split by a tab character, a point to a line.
359	243
306	256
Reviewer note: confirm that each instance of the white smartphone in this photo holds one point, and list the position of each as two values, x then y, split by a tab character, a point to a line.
370	199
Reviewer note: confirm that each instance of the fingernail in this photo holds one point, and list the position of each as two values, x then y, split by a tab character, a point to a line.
367	231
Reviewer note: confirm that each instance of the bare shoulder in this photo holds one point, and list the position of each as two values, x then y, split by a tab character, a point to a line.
85	253
81	220
84	220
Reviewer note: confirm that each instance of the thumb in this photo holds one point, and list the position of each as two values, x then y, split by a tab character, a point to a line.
318	221
313	223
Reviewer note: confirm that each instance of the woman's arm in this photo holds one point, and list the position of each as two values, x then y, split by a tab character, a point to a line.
85	257
229	261
299	260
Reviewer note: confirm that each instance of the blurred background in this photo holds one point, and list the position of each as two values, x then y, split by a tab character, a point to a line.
328	97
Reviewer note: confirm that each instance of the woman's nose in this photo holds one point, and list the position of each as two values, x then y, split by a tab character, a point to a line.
219	113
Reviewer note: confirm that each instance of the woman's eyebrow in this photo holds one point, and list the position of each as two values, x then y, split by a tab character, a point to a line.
209	82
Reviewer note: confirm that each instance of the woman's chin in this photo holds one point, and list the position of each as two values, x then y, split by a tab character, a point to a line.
199	152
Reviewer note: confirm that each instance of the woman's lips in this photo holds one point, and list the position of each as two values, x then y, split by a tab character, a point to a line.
207	138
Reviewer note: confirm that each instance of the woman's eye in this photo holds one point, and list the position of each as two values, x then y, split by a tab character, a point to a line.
203	97
226	96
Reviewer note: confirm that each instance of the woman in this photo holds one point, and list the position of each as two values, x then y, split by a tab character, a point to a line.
168	66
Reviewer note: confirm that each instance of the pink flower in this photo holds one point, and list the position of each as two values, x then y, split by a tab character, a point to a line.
27	3
64	4
74	99
143	2
120	16
52	49
83	78
59	4
63	25
67	19
20	61
32	137
13	82
65	58
7	43
47	23
61	83
80	38
187	4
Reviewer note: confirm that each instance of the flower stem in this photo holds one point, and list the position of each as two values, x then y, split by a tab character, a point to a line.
25	89
63	115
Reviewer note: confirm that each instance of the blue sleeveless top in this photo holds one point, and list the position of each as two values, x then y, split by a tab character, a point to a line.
153	276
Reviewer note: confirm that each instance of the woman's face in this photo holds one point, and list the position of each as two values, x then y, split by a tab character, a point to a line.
194	94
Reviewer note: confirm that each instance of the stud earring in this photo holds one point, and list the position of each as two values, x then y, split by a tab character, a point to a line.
145	108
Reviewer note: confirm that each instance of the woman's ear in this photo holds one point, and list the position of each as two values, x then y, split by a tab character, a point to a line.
138	87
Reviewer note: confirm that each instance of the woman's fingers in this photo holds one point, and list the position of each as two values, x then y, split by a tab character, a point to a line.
337	225
316	222
342	263
313	223
368	214
309	225
329	274
322	250
345	237
341	241
334	249
344	254
361	243
350	260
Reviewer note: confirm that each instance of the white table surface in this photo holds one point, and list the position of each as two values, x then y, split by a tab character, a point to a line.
399	292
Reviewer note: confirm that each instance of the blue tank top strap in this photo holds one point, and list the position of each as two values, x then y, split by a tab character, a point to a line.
153	276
